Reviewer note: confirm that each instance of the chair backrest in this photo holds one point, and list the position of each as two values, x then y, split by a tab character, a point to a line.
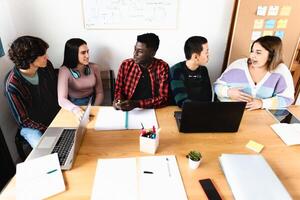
108	82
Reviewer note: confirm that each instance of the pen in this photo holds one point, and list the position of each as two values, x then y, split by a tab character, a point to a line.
167	159
50	172
142	125
148	172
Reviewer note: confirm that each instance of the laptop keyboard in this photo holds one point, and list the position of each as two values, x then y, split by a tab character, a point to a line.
64	145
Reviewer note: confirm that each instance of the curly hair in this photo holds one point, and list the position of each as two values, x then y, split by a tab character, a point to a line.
25	49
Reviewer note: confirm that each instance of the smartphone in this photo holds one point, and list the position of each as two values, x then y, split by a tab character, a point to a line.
283	116
209	189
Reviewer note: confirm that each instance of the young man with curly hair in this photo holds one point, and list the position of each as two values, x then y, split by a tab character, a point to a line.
31	87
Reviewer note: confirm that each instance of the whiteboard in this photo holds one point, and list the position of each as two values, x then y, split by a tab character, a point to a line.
130	14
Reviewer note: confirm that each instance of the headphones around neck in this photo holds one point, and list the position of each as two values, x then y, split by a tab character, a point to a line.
76	73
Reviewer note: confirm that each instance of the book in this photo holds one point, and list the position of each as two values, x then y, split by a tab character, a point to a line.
138	178
250	177
108	118
39	178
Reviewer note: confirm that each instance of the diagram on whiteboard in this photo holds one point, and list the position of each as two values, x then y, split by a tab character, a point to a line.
130	14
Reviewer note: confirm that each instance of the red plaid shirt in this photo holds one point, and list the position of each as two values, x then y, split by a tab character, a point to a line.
128	78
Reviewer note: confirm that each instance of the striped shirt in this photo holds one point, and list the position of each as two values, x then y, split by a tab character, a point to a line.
33	106
129	75
188	85
276	89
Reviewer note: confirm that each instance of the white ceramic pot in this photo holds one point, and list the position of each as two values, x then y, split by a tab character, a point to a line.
194	164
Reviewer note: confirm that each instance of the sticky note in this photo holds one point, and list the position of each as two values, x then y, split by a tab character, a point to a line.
285	10
267	33
261	10
270	23
254	146
282	23
273	10
258	24
279	34
255	35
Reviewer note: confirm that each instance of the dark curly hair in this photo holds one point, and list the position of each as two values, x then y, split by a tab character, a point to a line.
25	49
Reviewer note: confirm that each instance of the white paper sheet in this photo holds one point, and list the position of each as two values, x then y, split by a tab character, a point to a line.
115	179
39	178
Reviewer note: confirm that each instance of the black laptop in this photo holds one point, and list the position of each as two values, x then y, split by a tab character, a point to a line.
198	117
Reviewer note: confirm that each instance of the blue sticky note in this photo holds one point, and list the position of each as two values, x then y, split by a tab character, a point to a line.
270	23
1	49
279	34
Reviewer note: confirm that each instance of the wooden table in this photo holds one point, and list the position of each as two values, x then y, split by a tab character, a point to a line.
255	125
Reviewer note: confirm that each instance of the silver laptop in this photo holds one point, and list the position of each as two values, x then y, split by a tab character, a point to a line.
63	141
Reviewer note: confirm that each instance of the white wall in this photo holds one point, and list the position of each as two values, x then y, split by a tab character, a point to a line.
7	123
56	21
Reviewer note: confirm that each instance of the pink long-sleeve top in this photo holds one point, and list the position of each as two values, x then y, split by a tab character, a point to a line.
81	87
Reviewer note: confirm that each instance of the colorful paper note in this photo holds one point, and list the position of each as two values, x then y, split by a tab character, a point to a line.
285	11
267	33
273	10
270	23
254	146
258	24
282	23
261	10
255	35
279	34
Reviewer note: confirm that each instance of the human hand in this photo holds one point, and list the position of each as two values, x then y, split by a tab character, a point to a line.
127	105
78	112
116	104
254	104
238	95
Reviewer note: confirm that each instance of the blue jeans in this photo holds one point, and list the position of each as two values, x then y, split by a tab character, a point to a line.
81	101
31	135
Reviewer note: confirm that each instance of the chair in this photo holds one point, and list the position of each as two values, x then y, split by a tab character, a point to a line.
23	147
108	82
7	167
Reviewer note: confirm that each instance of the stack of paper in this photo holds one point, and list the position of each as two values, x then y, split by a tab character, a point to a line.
289	133
109	118
39	178
142	178
250	177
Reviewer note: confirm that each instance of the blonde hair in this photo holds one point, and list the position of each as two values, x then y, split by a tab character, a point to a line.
273	45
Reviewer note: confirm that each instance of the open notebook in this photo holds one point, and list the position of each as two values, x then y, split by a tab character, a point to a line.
108	118
138	178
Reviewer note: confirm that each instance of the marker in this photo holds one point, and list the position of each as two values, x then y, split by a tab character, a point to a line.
148	172
50	172
126	120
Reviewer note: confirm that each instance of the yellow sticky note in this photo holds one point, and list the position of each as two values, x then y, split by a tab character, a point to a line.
267	32
254	146
282	23
258	24
285	10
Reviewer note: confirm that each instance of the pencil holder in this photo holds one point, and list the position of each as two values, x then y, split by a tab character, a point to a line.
149	141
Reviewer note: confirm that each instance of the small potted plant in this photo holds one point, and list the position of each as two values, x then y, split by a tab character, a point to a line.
194	159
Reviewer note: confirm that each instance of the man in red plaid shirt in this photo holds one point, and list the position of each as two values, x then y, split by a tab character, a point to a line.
143	81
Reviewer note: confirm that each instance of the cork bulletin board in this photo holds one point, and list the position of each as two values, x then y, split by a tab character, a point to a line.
257	18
